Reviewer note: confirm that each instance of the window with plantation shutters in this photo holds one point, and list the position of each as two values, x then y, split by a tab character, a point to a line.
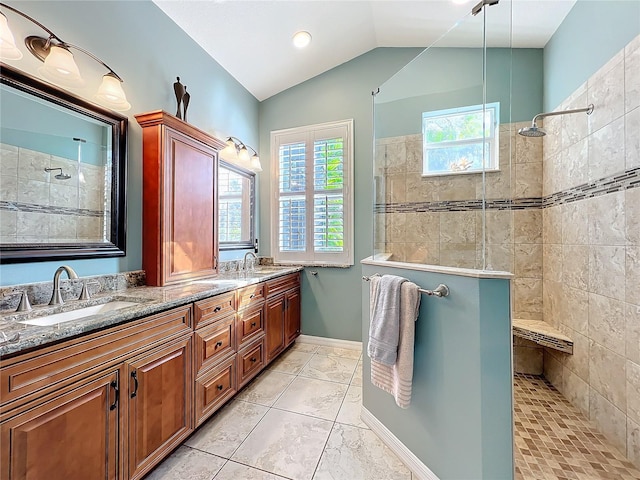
312	205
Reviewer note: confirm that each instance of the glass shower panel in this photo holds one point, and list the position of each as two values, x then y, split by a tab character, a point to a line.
439	149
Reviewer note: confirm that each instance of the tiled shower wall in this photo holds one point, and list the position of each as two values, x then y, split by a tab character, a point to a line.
591	266
35	207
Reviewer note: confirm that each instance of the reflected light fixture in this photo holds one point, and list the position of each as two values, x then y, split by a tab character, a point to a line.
237	148
59	65
301	39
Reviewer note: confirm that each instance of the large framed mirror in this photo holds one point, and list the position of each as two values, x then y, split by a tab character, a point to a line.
236	207
63	175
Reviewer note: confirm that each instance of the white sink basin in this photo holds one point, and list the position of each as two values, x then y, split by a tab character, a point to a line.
56	318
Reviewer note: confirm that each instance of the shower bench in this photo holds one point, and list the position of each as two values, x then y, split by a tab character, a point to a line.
543	334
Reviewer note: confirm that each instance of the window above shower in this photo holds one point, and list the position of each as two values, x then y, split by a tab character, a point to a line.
461	140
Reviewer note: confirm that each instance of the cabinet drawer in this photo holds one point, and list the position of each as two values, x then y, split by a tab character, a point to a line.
251	295
282	284
250	362
214	308
250	324
214	388
51	368
214	342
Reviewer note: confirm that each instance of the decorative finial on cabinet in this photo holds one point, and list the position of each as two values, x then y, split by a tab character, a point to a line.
179	90
185	102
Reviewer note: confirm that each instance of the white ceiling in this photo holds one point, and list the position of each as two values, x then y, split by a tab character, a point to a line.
251	39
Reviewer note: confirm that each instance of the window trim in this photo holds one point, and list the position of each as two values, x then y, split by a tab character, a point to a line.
309	134
493	140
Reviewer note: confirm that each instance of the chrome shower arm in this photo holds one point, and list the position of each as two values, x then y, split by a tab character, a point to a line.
588	109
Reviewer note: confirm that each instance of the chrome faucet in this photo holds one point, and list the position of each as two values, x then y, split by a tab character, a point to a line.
244	260
56	297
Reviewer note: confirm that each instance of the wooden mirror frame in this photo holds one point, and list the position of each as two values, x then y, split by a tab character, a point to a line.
115	247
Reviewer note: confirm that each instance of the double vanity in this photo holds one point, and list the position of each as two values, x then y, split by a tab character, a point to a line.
108	387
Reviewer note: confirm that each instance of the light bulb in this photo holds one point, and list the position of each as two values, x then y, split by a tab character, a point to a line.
301	39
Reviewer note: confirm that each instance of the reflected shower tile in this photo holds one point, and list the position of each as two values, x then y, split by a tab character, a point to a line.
69	167
32	224
33	191
528	180
632	216
605	89
632	276
606	322
609	419
91	199
632	139
632	76
226	431
607	219
90	228
8	188
602	362
8	160
62	226
575	262
31	165
355	453
423	227
313	397
187	463
606	150
62	195
8	223
285	443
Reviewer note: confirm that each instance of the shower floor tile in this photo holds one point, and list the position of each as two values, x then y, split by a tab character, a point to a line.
555	441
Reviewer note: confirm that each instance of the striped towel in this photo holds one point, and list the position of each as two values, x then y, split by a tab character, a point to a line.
397	379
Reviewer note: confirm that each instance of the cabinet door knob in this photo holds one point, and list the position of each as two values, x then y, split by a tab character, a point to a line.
253	359
217	309
218	344
114	405
253	324
134	375
219	387
252	295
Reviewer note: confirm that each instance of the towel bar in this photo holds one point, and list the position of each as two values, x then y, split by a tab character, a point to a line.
440	291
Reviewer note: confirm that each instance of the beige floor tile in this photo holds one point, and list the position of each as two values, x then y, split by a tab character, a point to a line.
266	388
351	407
236	471
188	463
333	369
291	362
339	352
310	396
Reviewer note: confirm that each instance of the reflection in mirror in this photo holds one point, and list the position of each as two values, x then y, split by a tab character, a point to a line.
236	207
62	177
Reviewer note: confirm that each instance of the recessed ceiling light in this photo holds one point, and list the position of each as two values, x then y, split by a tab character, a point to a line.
302	39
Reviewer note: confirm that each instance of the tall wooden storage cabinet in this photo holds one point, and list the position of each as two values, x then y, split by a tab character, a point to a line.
180	207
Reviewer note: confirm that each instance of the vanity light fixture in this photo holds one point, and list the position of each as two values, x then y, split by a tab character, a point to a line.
59	65
301	39
236	147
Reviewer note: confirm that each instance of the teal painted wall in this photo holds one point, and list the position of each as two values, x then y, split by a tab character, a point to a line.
443	78
148	51
592	32
331	300
462	382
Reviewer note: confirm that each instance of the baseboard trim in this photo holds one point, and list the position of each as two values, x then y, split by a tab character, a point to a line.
419	469
330	342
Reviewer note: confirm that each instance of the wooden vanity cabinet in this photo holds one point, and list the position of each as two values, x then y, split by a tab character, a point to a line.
180	206
282	314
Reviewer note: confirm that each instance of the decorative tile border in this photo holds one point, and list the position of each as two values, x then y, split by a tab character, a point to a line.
611	184
49	209
543	334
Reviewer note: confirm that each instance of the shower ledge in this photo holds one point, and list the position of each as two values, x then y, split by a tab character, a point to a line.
543	334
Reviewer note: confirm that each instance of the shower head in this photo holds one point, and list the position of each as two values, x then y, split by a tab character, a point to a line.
59	176
535	131
532	131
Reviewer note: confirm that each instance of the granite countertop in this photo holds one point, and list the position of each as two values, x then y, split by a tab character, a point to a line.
16	337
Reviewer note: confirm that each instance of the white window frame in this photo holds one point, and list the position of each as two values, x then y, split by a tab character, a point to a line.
309	134
493	139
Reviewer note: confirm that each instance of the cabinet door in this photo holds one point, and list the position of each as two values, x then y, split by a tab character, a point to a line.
292	315
73	435
160	399
274	327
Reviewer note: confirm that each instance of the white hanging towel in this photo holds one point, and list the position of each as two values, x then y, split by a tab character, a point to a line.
397	378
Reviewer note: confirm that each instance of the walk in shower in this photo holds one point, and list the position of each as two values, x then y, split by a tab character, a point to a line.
457	188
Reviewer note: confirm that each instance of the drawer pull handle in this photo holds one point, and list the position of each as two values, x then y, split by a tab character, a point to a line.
252	295
217	309
253	324
218	344
134	375
114	385
219	387
253	359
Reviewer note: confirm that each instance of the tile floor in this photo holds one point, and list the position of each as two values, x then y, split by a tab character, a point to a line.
299	419
554	441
